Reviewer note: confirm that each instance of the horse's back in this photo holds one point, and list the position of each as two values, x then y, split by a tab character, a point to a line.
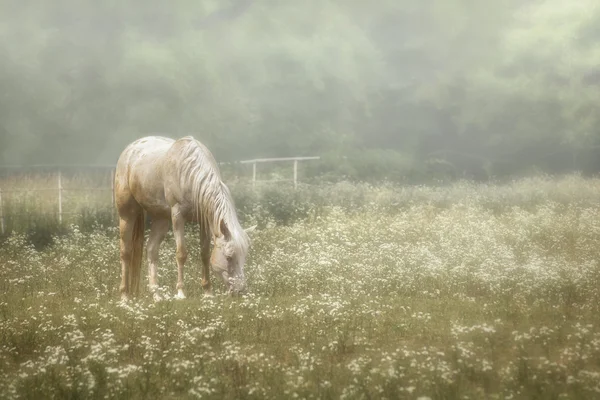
146	145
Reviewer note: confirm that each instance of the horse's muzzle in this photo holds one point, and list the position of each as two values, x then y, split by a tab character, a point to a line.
237	287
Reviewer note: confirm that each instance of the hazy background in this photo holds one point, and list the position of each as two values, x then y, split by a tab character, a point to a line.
488	88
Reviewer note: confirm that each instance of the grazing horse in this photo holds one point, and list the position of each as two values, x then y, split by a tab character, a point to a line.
176	181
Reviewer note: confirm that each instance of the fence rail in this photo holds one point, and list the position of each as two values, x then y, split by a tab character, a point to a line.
60	189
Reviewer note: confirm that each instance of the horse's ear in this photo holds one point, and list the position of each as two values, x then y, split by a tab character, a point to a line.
225	230
250	230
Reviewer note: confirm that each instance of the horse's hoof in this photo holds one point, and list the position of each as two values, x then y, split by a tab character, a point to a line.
180	295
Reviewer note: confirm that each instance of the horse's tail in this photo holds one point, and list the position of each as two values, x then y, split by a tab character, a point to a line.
136	258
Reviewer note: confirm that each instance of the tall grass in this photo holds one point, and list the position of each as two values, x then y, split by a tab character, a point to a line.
463	291
30	202
87	199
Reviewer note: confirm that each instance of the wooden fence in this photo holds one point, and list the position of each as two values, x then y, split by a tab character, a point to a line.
59	190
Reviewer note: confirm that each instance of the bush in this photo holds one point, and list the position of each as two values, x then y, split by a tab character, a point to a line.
366	165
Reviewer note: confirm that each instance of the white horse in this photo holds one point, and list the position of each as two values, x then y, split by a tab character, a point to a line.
177	181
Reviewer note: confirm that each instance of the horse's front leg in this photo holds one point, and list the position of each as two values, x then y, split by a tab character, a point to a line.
205	254
181	252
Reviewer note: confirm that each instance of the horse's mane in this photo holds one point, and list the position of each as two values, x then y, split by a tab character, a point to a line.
211	198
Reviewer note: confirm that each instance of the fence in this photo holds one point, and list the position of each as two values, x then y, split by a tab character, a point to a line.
59	189
266	160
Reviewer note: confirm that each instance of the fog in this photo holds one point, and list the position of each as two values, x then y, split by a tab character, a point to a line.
492	88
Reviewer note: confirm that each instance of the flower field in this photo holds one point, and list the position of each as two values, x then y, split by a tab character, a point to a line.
459	292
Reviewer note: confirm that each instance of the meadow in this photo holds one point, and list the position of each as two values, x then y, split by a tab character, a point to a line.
356	291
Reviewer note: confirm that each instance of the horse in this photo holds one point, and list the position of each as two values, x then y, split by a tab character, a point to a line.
177	181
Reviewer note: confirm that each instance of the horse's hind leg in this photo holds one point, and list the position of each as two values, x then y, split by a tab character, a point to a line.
126	226
157	234
129	212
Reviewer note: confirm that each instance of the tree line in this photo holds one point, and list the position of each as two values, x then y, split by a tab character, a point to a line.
479	88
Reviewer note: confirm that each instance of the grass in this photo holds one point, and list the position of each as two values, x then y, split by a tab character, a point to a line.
463	291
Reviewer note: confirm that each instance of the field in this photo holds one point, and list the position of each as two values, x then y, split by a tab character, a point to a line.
462	291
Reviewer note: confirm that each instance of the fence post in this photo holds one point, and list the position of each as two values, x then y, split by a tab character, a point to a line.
59	197
295	173
253	175
1	214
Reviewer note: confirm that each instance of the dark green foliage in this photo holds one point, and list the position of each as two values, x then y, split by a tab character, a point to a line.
364	165
41	228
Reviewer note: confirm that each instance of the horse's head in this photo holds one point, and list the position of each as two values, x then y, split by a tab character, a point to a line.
228	257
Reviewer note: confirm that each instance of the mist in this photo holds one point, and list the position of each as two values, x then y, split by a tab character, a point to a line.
488	88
